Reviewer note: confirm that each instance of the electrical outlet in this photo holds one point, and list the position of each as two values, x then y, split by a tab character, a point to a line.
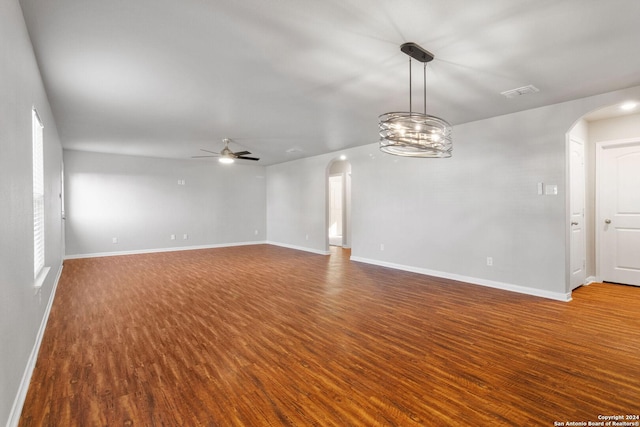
382	246
490	261
306	237
172	237
185	236
114	240
255	232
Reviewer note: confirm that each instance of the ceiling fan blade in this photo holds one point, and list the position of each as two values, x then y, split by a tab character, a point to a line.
199	157
241	153
247	158
207	151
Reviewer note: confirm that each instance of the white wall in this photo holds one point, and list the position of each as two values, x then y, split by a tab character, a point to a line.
23	307
446	216
623	127
296	203
449	215
139	201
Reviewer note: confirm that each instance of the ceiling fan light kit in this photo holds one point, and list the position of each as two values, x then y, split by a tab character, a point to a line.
413	134
226	156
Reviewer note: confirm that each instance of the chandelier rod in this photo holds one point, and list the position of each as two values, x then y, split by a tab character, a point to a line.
424	74
410	111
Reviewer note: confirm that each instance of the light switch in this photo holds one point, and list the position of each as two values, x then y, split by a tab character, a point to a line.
551	190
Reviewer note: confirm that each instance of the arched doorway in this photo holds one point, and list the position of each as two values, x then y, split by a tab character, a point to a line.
606	126
338	203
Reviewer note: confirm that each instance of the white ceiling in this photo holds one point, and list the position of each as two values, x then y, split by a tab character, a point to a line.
165	78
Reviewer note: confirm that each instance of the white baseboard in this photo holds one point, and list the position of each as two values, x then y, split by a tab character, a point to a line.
591	279
157	250
472	280
18	402
299	248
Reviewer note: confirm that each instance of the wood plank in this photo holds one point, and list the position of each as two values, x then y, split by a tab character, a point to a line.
268	336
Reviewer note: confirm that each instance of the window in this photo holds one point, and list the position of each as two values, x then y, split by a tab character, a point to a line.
38	193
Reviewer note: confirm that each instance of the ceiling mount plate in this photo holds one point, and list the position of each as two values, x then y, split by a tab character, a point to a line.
417	52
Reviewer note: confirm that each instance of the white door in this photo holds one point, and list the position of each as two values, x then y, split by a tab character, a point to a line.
618	221
576	208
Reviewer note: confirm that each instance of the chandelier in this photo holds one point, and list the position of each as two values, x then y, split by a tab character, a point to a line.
413	134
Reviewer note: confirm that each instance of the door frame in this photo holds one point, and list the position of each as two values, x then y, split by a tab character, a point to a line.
600	147
346	202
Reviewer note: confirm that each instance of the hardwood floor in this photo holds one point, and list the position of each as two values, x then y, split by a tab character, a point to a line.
267	336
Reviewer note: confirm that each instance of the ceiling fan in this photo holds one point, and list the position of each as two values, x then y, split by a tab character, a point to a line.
226	155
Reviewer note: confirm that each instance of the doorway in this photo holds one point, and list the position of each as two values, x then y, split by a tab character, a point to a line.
339	203
611	197
618	211
336	211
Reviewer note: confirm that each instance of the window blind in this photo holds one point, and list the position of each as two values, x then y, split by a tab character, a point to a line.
38	193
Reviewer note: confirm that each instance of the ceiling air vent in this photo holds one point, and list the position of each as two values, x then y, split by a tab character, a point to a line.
524	90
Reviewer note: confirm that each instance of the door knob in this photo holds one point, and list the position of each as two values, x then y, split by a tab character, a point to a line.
607	221
574	223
